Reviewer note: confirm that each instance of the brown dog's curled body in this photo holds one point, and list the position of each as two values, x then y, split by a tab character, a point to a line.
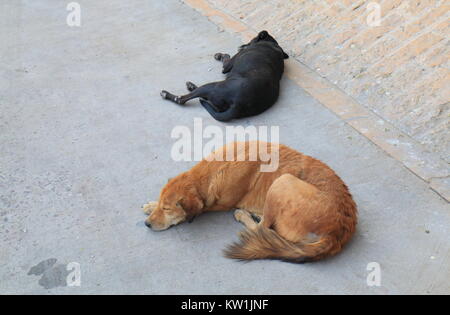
306	211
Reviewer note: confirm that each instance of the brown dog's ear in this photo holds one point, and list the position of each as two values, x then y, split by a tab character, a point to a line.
191	203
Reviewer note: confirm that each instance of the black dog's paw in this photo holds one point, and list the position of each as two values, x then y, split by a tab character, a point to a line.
190	86
169	96
222	57
164	94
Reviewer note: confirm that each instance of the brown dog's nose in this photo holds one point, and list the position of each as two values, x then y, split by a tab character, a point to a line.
148	224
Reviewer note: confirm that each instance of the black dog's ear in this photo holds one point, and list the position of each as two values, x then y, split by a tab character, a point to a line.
286	56
263	35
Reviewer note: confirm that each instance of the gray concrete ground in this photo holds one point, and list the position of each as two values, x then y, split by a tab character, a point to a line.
85	141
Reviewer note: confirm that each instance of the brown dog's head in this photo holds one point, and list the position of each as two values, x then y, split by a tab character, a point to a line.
179	201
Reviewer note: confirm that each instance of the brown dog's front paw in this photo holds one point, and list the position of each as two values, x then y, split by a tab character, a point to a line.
149	207
256	217
240	214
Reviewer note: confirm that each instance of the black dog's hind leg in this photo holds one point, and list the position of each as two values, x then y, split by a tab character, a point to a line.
191	87
202	91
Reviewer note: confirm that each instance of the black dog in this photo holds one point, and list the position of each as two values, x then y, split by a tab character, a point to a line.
252	84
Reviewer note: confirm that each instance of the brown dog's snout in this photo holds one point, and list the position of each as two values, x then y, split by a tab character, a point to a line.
148	224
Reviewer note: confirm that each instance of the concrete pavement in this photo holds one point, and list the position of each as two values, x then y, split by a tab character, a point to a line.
85	141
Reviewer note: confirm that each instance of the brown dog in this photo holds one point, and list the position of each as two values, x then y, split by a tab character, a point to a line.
306	211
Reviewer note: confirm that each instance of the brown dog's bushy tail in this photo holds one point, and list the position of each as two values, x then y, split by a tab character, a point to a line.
265	243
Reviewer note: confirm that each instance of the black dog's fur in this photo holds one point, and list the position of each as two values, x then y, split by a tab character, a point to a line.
252	84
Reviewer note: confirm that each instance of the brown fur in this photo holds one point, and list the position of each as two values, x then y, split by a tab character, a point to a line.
307	211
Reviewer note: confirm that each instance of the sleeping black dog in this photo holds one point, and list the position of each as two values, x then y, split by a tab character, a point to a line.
252	84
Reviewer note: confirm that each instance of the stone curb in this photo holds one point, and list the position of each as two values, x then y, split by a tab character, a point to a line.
397	144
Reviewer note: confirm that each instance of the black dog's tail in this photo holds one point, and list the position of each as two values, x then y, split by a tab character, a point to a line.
227	115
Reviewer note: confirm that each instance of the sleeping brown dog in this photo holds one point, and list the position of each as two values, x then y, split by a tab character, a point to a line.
301	212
